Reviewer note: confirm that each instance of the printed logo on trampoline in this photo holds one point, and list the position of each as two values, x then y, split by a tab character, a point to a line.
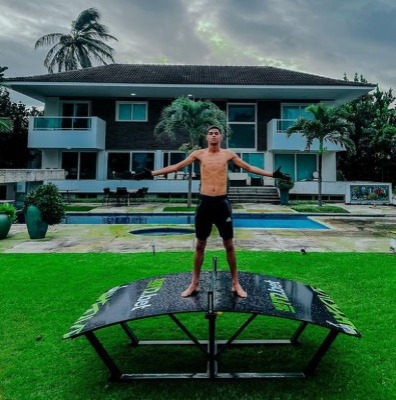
151	290
80	324
342	322
279	298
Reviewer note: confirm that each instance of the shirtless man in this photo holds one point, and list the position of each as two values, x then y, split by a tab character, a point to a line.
214	206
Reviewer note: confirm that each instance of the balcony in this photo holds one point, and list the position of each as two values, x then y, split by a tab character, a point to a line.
278	140
67	132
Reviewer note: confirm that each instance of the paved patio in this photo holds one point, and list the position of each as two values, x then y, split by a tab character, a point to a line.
365	229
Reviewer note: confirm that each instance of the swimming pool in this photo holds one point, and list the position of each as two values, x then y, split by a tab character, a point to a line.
269	221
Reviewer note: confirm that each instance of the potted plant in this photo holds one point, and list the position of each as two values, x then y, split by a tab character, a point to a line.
43	206
8	214
284	185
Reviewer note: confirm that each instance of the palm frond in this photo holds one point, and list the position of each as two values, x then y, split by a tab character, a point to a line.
85	42
48	40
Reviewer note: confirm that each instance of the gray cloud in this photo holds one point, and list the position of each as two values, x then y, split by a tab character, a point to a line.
324	37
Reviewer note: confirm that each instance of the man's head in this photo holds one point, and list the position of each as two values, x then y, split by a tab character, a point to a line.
214	127
214	135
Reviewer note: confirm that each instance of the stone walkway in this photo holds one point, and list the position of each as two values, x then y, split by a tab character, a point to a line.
365	229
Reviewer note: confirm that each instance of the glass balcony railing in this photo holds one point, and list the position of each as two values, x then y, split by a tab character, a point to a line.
283	124
279	140
62	123
66	132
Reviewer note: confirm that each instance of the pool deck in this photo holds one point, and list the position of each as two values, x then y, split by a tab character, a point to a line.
365	229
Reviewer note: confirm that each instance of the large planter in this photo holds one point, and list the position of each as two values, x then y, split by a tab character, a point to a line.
5	225
36	227
284	197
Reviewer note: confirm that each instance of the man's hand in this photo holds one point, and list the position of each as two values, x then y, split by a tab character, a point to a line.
280	175
146	174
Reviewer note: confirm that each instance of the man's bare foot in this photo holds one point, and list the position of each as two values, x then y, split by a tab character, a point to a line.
237	289
192	289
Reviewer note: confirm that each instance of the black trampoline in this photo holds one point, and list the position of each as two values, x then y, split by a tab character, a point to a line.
160	296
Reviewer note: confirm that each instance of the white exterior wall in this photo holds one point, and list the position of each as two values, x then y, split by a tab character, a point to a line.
51	158
329	171
101	162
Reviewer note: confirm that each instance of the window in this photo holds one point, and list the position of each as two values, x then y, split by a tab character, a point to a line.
306	166
242	121
75	115
300	166
172	157
286	161
291	112
255	159
118	163
131	111
122	163
79	165
142	160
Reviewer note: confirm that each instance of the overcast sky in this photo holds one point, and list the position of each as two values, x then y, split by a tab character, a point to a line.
323	37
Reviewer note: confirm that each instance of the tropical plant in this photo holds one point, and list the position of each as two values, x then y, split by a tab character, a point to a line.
9	209
48	200
328	124
190	118
5	123
14	152
76	49
285	184
374	118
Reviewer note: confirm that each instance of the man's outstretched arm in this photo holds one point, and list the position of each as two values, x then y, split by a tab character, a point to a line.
280	175
147	174
276	174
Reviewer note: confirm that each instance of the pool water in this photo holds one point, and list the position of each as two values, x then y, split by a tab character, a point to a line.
289	221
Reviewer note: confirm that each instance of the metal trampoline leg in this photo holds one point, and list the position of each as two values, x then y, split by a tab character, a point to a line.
329	339
104	355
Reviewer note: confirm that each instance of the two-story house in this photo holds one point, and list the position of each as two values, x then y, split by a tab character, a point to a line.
98	122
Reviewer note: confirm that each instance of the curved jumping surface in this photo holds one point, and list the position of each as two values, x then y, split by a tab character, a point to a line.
160	295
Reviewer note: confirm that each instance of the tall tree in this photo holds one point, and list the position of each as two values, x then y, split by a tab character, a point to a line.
77	49
374	118
13	140
328	124
5	123
190	118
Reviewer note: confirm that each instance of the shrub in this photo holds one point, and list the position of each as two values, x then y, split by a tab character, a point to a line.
284	184
49	201
9	209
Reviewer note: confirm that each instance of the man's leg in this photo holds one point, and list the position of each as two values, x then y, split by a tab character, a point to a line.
198	261
231	259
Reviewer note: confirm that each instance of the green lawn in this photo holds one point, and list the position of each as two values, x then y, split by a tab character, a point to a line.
42	295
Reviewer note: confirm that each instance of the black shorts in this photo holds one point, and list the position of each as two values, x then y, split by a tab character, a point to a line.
213	210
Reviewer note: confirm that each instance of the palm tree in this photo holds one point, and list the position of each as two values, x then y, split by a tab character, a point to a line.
76	49
190	117
328	125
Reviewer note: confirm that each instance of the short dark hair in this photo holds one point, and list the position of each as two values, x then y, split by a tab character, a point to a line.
214	127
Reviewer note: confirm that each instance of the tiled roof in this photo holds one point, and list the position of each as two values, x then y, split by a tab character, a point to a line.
188	75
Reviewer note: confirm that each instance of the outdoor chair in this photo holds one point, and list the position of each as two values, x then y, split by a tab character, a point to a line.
122	195
108	196
139	194
142	193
